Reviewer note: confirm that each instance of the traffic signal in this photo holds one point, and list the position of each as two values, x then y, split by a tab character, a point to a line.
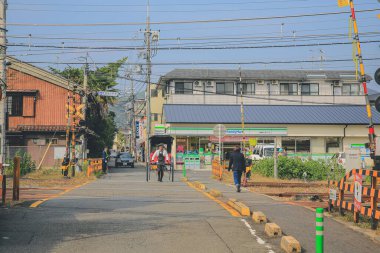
377	76
377	104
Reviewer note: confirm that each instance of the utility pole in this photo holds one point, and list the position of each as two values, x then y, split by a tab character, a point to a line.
133	120
3	76
148	35
84	102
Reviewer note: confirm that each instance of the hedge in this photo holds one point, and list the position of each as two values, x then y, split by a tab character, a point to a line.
294	168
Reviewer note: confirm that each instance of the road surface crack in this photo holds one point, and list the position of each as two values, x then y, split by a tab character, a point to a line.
224	242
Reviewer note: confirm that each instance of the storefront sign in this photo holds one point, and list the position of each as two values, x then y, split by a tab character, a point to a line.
160	129
358	192
203	131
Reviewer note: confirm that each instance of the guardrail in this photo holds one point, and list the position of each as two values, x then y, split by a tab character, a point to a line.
94	165
360	204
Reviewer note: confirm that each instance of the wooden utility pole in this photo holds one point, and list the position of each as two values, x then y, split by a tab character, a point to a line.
148	35
73	132
84	102
3	77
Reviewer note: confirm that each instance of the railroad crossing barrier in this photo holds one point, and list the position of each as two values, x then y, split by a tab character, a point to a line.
319	228
360	205
94	165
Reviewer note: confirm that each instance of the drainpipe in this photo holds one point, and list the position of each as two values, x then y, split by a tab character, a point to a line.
344	136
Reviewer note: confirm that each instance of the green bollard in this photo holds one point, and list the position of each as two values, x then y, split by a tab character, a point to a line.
319	237
184	170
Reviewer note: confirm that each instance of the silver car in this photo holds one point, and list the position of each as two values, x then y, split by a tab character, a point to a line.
125	159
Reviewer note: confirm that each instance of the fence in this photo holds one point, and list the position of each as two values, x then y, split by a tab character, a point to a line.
369	196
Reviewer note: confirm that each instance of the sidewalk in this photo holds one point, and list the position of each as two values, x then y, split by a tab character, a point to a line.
294	220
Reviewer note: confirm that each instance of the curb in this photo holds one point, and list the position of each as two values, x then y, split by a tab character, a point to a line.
215	193
240	207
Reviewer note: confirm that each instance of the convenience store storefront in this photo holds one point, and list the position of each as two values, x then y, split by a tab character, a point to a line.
310	130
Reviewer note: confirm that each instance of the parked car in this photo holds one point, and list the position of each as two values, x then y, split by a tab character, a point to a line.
125	159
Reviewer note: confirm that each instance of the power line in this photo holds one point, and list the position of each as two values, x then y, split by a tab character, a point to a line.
196	48
208	63
174	11
193	21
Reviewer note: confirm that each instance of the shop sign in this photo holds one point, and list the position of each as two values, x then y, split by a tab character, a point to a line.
160	129
358	192
332	194
137	129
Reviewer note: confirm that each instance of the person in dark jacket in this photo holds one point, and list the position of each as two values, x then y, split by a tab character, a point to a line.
237	164
105	157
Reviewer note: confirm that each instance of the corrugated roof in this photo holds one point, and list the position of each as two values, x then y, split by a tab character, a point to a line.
213	74
270	114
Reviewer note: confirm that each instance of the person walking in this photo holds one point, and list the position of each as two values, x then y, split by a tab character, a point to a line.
105	160
162	157
237	164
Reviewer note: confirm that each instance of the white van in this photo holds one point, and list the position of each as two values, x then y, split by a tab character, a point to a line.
262	151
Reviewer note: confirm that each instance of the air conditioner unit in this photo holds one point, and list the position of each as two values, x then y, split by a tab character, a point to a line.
198	83
261	82
209	84
337	83
275	82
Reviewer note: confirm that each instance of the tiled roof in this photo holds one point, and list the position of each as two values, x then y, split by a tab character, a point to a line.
270	114
214	74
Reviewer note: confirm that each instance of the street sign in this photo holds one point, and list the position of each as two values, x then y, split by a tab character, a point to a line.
220	130
137	129
332	194
108	93
358	192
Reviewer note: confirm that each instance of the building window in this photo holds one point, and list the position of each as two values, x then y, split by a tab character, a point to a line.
333	144
15	105
337	90
351	89
54	141
296	145
248	88
224	88
288	88
310	89
154	116
183	88
154	93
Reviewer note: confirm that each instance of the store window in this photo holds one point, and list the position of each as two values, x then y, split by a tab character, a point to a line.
296	145
248	88
224	88
183	88
310	89
333	144
288	88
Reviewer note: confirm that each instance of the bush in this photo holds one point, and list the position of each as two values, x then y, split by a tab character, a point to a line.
27	165
294	168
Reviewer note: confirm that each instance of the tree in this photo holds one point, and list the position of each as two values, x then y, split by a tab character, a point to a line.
98	117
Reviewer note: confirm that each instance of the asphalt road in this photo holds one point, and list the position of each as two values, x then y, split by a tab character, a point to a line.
123	213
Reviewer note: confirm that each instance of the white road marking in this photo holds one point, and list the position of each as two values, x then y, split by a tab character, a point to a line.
5	237
258	239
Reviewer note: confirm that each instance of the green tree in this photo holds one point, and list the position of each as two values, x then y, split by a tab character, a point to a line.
98	117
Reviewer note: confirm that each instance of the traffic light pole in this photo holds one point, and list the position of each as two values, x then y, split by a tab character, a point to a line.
371	127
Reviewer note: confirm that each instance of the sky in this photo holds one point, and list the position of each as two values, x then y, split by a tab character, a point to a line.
268	27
